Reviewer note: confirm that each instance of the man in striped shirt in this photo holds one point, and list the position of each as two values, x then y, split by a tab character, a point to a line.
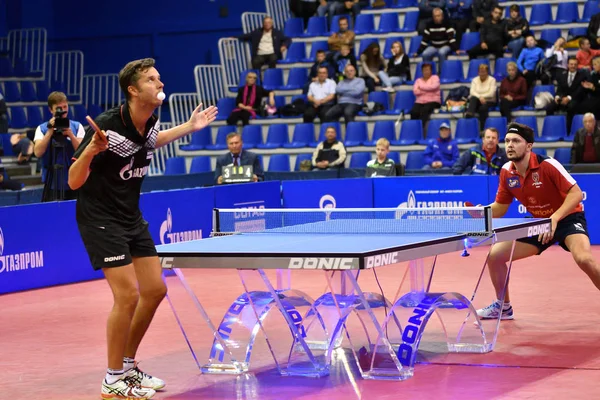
546	189
438	39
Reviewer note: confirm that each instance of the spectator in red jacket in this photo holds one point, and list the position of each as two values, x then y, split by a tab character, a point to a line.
513	91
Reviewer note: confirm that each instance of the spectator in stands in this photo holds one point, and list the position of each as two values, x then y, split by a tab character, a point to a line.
329	8
321	97
513	91
558	59
249	100
382	149
441	153
22	146
341	37
482	10
351	7
593	31
570	93
3	115
8	184
482	95
237	157
486	158
591	85
342	58
426	8
320	62
397	70
350	93
586	143
586	54
53	145
428	96
460	14
492	35
331	153
372	63
304	9
517	30
267	44
438	39
528	60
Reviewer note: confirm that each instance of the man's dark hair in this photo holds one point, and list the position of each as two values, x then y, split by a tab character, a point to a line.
232	135
323	67
426	65
130	74
498	8
344	18
320	51
574	59
491	129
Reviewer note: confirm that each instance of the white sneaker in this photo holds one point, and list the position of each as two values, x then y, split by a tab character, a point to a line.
493	310
143	379
389	89
124	389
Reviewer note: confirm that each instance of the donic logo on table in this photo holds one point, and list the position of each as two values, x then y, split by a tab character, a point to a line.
168	236
19	261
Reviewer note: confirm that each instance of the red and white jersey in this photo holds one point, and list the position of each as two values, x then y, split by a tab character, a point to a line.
543	189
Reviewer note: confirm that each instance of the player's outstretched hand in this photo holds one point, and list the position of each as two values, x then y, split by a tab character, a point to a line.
99	142
202	118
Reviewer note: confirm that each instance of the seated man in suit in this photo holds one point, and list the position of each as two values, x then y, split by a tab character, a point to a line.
237	156
570	93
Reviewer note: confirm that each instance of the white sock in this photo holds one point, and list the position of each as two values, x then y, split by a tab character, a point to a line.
113	375
128	363
506	305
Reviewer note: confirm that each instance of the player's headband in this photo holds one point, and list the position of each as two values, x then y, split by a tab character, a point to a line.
526	134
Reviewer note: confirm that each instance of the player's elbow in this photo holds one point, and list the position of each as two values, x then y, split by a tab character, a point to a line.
75	180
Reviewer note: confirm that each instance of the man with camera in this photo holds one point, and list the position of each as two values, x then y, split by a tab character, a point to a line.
55	143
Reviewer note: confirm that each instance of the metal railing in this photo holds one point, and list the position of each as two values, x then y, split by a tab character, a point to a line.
181	106
235	58
159	160
210	85
279	10
102	90
252	21
66	67
29	45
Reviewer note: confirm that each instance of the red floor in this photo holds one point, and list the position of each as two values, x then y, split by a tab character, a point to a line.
52	342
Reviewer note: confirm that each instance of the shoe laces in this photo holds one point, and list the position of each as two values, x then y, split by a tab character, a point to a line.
132	381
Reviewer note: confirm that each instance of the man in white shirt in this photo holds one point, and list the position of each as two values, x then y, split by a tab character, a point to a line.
482	95
321	96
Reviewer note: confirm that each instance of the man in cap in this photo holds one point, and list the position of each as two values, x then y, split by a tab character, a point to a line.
547	190
441	153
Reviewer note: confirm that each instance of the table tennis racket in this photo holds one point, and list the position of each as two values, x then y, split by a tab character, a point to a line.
474	213
97	129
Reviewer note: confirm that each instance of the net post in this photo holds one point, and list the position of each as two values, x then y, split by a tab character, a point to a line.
216	225
487	215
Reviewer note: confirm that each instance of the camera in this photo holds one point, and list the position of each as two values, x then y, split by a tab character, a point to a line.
60	122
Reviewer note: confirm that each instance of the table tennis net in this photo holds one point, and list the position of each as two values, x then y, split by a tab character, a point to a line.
349	221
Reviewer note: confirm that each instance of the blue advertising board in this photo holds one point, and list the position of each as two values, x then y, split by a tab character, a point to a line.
338	193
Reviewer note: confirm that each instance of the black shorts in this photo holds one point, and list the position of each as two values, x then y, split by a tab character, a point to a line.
569	225
114	246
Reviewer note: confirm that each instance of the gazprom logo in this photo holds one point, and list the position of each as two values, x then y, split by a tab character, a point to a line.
327	201
411	202
19	261
168	236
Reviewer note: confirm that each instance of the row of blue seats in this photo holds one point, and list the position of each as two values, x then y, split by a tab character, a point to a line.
357	134
32	116
20	69
27	91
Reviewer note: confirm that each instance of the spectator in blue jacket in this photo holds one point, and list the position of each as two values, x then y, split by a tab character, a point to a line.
441	153
528	60
350	93
486	158
459	15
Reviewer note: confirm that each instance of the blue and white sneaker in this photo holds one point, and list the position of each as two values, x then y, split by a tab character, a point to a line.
493	310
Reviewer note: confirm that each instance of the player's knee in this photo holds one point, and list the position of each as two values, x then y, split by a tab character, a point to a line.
585	260
155	293
127	298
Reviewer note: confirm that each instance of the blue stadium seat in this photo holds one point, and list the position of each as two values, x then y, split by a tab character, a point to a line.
401	3
5	144
535	91
303	135
576	124
411	131
295	53
225	106
300	158
221	140
57	86
380	97
563	155
500	67
11	92
419	73
415	42
93	109
577	32
403	102
411	20
48	115
317	26
360	160
277	136
79	113
28	93
34	117
497	122
364	24
335	24
469	40
316	46
175	166
6	68
566	13
273	79
414	160
433	130
18	120
324	126
452	71
554	128
540	151
356	134
252	136
394	155
387	48
279	163
529	120
473	70
541	14
200	164
467	130
243	74
22	68
42	91
388	23
550	35
296	79
382	129
199	141
364	44
279	103
589	9
294	27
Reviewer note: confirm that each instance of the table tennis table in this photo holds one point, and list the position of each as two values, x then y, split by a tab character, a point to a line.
341	243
